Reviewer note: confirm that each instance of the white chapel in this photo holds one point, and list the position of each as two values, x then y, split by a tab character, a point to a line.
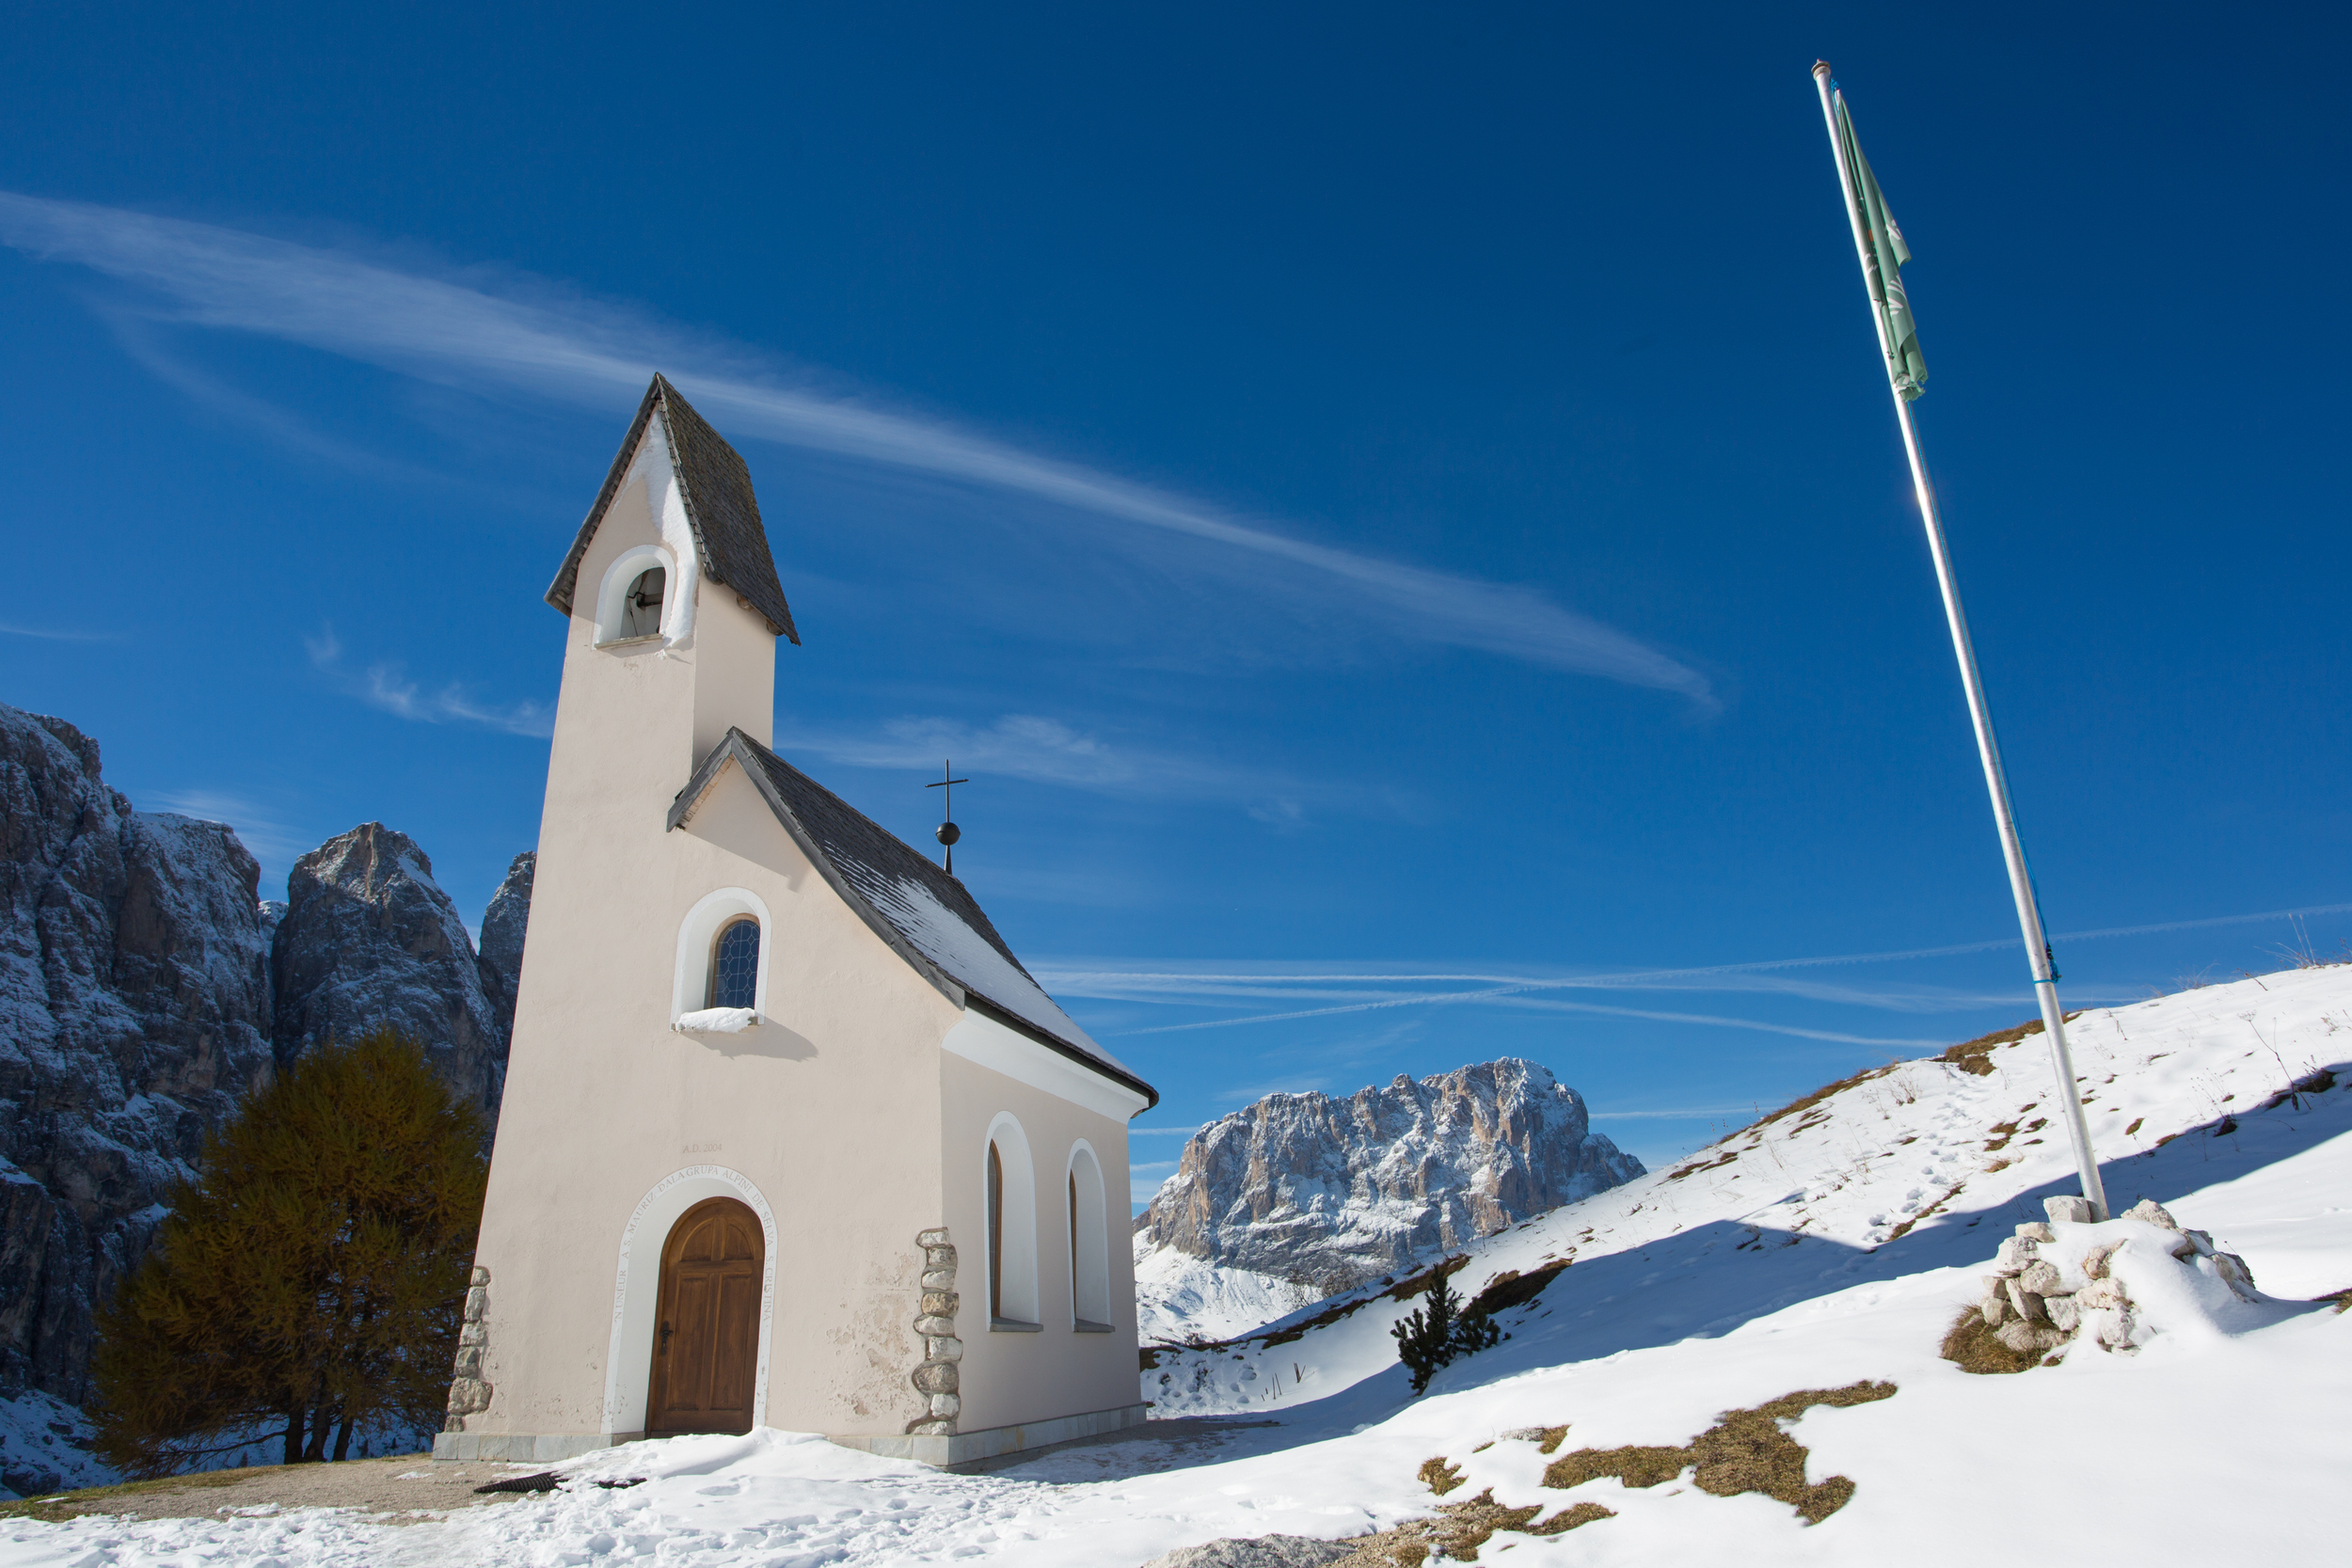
789	1136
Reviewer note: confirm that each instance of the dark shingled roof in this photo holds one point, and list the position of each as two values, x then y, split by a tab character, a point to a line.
927	917
720	507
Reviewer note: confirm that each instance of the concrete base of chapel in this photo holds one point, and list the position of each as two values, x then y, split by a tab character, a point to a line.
963	1448
523	1448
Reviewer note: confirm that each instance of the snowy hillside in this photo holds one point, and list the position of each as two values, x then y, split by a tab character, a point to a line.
1923	1164
1179	1297
1786	1290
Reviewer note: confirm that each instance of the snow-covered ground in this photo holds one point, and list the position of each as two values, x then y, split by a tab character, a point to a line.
1179	1297
1827	1247
45	1446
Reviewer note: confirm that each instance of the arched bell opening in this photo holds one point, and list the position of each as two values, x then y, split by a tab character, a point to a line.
706	1332
632	601
641	602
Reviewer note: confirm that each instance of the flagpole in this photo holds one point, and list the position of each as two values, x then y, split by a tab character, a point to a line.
2037	956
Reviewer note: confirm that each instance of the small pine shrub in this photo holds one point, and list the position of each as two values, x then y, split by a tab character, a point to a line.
1432	1336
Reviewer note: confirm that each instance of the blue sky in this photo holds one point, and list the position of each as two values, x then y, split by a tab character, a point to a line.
1385	503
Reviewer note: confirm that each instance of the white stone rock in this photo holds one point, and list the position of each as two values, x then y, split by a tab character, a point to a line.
2149	1212
2099	1294
2041	1278
2236	1276
2067	1211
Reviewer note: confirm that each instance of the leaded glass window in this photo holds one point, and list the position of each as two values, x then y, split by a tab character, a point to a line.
734	966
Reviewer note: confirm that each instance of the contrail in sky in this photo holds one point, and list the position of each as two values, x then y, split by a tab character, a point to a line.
580	352
1514	988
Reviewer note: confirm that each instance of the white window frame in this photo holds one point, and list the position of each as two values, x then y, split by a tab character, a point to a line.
690	991
1089	1237
1017	1293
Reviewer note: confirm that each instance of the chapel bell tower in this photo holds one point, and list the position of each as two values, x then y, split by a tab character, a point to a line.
674	607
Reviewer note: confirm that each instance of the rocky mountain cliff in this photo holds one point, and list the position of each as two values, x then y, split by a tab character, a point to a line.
1331	1192
500	959
135	1007
144	987
369	939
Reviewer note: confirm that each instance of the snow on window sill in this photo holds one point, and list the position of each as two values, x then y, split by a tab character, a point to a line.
1013	1326
716	1021
1086	1325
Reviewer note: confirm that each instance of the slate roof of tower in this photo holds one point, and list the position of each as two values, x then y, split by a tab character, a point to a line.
719	508
927	917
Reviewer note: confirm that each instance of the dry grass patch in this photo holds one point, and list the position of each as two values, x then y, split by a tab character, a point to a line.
94	1500
1419	1284
1810	1102
1972	1347
1513	1289
1745	1450
1712	1165
1324	1319
2310	1083
1459	1529
1976	1055
1404	1290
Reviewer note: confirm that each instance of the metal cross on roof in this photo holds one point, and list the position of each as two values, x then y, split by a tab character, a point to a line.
947	832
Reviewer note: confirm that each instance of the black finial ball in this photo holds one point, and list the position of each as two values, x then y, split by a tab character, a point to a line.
949	832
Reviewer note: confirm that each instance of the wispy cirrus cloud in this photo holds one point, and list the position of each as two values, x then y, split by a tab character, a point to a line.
1018	745
1051	752
456	329
273	843
386	686
138	338
51	634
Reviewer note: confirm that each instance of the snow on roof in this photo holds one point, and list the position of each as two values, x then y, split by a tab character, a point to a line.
926	915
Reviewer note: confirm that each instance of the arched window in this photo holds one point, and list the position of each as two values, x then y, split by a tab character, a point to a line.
734	965
995	1232
641	605
1089	1246
1012	1195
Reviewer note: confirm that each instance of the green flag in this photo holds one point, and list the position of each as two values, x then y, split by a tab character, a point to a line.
1882	264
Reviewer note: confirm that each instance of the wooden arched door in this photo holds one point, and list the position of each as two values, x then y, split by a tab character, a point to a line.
706	1349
